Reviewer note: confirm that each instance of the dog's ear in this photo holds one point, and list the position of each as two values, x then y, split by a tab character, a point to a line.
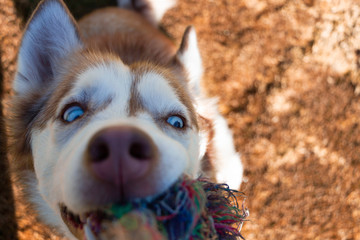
189	56
50	35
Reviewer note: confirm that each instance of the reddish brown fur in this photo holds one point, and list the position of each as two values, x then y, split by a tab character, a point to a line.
127	35
207	164
185	42
135	104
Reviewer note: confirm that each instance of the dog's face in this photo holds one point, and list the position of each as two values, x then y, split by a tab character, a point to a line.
115	134
95	130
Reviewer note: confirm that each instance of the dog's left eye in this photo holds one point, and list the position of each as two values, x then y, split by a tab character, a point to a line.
72	113
176	121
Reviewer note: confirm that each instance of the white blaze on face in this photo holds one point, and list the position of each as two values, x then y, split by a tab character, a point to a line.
107	80
160	99
59	148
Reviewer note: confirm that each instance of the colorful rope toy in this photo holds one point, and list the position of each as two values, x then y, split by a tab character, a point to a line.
190	209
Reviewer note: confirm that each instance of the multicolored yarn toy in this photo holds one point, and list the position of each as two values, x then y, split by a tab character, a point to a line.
190	209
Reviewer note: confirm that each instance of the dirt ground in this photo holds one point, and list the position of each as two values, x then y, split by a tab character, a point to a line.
287	75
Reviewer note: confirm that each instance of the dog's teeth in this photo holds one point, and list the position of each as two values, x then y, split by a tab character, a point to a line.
83	218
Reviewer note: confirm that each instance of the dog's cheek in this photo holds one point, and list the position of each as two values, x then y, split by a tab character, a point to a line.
190	142
75	181
193	148
46	155
173	161
74	172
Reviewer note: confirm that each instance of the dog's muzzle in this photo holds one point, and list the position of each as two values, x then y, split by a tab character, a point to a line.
122	157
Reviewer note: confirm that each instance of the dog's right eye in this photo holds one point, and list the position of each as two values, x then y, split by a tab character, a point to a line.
71	113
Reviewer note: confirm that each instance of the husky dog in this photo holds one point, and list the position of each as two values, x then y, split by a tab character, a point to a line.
109	109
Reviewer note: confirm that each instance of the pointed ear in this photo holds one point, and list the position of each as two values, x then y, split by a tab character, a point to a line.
51	34
189	55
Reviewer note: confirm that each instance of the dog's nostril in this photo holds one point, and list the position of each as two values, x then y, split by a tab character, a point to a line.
140	151
100	152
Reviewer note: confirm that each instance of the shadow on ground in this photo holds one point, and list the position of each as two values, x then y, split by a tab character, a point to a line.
8	226
78	8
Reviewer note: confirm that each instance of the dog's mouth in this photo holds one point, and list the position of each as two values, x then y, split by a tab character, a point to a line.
189	209
83	225
89	225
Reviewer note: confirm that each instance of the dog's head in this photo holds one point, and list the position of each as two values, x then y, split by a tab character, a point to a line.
90	130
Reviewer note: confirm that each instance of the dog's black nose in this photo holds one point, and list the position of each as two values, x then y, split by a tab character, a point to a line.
121	155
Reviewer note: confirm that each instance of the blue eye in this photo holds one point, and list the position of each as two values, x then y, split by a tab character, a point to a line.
175	121
72	113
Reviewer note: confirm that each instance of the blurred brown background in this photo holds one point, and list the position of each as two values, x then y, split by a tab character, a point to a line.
8	227
287	76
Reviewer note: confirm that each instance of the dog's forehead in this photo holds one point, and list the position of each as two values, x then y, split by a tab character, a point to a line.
103	82
105	77
116	80
133	87
156	93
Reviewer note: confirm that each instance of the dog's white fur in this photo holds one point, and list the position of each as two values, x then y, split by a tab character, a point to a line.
58	150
